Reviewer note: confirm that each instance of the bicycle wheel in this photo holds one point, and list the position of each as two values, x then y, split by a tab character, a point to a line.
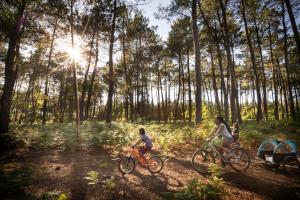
238	159
155	164
291	165
126	165
201	160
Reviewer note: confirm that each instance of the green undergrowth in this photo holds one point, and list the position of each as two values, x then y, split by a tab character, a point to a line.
282	130
210	189
120	134
14	182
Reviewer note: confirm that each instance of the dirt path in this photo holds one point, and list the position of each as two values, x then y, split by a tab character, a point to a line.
59	170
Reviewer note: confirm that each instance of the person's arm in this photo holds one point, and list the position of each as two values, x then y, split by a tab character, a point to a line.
138	142
216	132
212	132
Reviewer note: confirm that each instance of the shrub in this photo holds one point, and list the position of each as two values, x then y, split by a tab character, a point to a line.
92	177
198	189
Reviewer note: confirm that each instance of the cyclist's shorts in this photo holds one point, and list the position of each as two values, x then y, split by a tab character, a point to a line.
145	149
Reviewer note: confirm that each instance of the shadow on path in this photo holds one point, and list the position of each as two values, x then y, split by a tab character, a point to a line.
262	187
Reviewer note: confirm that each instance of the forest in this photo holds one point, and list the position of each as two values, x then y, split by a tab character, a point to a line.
79	79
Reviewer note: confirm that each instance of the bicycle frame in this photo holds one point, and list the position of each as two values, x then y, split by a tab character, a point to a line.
136	154
209	145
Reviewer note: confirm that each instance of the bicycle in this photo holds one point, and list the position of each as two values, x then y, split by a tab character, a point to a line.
237	158
127	164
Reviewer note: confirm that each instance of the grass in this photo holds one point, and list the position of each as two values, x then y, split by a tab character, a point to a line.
120	134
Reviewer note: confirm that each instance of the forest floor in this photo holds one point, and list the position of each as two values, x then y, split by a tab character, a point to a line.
32	171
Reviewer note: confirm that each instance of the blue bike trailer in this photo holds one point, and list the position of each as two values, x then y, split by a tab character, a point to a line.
267	148
283	150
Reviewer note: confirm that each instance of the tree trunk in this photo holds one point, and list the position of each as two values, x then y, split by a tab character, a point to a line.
85	83
287	66
236	95
214	82
111	67
179	87
74	69
275	82
223	86
189	86
45	103
127	81
11	70
90	92
294	27
158	94
183	94
256	73
198	95
265	104
284	91
230	64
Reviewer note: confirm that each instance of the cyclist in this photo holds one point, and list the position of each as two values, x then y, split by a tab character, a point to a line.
222	129
147	144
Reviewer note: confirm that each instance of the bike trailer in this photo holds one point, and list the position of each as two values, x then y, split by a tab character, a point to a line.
284	150
267	148
275	151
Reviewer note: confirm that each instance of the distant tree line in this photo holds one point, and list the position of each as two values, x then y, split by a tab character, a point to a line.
236	58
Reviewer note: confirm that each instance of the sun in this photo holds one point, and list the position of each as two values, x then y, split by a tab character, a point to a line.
74	53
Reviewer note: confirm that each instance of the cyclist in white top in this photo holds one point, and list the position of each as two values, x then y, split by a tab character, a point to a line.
221	128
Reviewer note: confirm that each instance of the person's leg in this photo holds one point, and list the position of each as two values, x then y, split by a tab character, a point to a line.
226	145
142	151
218	143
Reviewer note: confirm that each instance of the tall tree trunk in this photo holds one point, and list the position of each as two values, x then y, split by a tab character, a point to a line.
198	95
75	82
287	66
158	94
166	114
161	93
127	81
65	98
60	98
11	69
294	27
230	64
265	104
111	66
236	95
45	103
90	92
189	85
214	82
179	87
131	99
85	81
183	93
283	91
275	82
17	98
223	86
256	73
